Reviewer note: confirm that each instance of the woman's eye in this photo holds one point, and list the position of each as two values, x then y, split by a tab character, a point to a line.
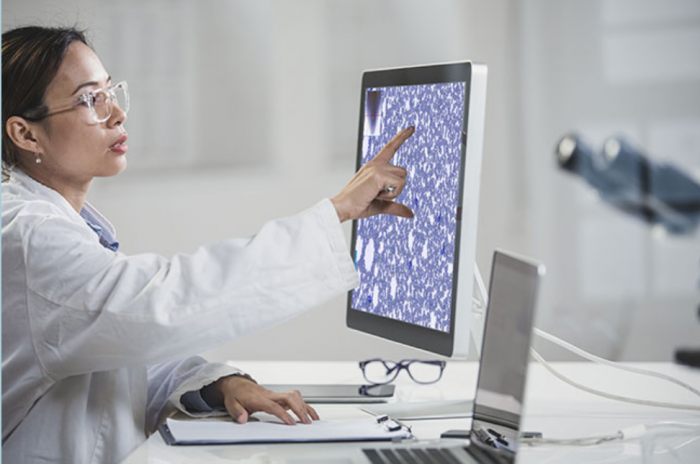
99	98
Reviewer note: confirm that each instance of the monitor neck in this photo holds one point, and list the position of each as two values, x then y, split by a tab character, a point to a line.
480	302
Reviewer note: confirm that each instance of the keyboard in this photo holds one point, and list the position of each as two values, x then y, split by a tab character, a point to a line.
411	456
434	455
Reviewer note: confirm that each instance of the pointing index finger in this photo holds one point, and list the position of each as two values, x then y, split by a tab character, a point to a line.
386	153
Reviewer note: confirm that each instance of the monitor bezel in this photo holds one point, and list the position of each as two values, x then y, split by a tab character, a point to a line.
417	336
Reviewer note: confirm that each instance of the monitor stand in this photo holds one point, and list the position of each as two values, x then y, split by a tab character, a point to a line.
424	410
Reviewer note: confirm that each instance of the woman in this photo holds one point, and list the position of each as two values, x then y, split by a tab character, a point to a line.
94	340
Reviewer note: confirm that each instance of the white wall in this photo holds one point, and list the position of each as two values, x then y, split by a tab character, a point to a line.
248	109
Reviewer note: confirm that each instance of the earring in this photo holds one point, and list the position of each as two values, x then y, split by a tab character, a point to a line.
38	157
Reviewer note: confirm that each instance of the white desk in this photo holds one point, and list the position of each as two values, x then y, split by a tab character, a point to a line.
552	407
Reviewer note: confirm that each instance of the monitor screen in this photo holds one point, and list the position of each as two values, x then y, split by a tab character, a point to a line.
406	266
412	288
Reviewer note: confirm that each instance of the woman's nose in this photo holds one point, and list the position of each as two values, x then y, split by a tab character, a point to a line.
118	116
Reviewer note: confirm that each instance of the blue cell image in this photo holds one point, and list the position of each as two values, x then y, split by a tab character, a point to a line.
406	265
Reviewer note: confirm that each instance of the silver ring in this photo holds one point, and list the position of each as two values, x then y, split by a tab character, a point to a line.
390	189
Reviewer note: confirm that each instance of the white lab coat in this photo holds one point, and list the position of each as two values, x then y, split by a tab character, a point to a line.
81	323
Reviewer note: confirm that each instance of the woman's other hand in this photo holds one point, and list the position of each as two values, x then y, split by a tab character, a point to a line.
242	397
374	187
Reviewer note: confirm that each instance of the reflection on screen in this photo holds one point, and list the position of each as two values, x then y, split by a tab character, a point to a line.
406	265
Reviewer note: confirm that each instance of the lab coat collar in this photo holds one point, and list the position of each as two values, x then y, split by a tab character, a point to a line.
21	179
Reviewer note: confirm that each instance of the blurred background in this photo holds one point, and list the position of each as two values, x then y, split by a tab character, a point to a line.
247	110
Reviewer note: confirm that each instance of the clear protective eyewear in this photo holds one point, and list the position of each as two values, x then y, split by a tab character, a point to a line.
100	102
379	371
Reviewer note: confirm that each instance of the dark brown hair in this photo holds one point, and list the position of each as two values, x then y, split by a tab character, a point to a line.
31	57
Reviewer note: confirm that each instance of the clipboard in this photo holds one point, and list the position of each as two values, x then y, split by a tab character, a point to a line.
224	431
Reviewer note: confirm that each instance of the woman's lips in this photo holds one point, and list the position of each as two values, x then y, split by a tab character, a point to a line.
120	145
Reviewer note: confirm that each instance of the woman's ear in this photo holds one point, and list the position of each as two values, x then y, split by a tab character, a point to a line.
22	134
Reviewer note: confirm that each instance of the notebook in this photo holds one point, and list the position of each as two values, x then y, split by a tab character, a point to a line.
269	429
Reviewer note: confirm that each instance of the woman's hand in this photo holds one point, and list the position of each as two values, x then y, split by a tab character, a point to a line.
242	397
375	185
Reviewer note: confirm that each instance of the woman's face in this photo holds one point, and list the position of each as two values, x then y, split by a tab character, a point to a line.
72	145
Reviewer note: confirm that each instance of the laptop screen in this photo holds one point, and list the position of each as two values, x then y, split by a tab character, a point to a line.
506	345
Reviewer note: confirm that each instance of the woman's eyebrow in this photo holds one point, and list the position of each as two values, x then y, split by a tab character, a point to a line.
89	84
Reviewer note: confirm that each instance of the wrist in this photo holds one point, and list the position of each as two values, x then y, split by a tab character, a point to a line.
342	215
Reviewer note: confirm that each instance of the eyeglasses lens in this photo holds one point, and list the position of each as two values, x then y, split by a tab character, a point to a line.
380	372
424	372
105	100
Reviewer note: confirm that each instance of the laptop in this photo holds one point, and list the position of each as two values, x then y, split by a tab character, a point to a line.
498	403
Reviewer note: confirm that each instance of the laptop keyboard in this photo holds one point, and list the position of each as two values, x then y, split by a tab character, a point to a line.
411	456
433	455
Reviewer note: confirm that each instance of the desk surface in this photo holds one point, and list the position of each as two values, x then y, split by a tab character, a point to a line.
551	407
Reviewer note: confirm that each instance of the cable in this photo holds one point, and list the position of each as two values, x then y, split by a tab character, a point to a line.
585	441
628	433
679	425
611	396
591	357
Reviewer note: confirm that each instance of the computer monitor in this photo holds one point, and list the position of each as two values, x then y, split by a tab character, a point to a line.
416	275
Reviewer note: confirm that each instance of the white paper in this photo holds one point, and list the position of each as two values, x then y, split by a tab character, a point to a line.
202	431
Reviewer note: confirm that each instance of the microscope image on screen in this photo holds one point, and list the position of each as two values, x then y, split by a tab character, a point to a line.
406	265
